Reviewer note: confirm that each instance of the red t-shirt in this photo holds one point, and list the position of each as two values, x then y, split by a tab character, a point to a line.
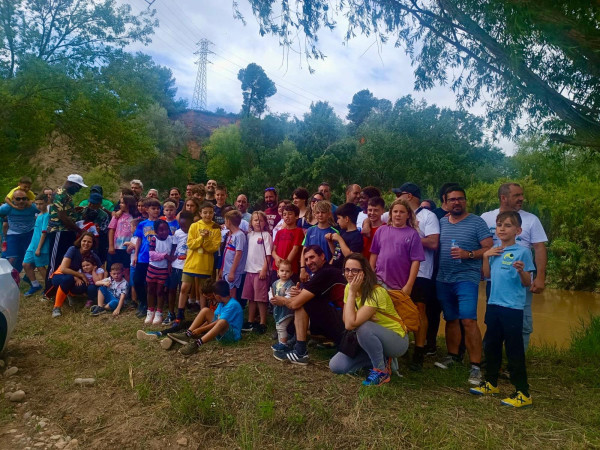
285	240
367	240
273	217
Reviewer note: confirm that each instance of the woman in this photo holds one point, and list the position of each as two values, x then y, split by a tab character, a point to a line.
175	195
300	199
68	278
369	310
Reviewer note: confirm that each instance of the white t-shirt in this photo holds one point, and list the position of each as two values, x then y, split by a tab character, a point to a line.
385	217
533	231
116	289
258	244
163	247
180	239
428	225
276	228
133	240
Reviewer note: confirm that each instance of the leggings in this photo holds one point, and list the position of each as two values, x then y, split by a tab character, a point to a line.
377	343
66	285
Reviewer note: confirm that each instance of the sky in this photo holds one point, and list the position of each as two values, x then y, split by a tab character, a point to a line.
349	67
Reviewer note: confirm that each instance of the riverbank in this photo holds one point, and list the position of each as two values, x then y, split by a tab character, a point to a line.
239	396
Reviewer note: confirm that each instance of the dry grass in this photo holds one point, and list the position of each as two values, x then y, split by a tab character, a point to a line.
239	396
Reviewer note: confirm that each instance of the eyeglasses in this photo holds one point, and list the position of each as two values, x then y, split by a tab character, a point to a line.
400	194
19	199
348	271
456	199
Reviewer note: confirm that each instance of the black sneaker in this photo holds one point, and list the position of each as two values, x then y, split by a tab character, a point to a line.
259	328
248	326
291	356
430	351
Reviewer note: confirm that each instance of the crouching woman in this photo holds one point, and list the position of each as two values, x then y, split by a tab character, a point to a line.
370	313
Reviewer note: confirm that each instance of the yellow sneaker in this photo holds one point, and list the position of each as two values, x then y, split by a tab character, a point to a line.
484	388
518	400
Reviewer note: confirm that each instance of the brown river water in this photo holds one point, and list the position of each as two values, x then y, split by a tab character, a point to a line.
555	314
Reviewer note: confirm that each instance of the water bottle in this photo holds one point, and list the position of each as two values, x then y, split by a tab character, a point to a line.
453	244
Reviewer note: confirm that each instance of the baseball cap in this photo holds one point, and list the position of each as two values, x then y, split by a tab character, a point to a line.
410	188
96	188
95	198
77	179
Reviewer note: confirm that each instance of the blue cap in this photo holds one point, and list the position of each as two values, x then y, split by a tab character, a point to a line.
95	198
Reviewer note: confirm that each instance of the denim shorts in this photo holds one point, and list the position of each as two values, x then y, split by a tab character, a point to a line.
458	300
174	279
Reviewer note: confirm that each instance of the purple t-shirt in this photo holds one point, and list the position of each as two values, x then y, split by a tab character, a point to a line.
396	248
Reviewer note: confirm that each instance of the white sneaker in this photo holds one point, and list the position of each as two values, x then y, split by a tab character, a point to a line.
158	318
475	377
149	317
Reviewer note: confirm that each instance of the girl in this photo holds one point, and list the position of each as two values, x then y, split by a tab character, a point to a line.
193	206
142	209
396	250
279	226
162	249
92	273
258	260
130	246
300	199
119	232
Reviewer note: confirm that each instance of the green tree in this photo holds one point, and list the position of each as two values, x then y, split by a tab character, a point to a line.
256	88
360	108
539	58
319	128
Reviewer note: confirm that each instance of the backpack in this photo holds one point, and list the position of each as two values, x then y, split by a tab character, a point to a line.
406	309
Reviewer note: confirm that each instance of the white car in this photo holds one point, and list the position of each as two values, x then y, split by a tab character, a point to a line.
9	301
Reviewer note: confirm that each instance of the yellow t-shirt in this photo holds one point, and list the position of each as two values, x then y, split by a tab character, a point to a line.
381	301
30	194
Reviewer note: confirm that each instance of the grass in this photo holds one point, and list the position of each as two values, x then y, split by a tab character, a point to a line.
239	396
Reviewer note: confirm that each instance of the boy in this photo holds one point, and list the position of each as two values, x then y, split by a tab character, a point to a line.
282	314
315	235
170	215
288	241
223	325
221	203
111	292
37	252
234	256
350	240
375	210
509	267
25	186
186	219
141	256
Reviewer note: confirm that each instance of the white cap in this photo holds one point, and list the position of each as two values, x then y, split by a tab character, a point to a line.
77	179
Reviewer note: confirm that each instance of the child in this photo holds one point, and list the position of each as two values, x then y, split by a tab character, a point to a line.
279	225
509	267
111	292
375	210
119	233
350	240
315	235
221	202
88	221
174	281
288	242
192	205
92	273
223	325
25	186
236	250
170	211
161	251
130	246
256	285
142	209
282	315
204	238
37	252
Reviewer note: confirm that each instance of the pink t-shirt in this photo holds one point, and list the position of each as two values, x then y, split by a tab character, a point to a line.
122	227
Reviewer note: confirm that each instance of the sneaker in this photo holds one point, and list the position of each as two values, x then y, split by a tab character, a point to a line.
88	304
280	347
158	318
71	301
445	363
416	365
517	400
248	326
44	299
291	356
259	328
140	314
485	388
98	311
32	290
166	343
147	335
56	312
376	378
430	351
190	348
169	319
475	376
149	317
181	337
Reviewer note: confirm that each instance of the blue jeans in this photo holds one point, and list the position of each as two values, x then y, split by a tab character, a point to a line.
458	300
109	299
16	247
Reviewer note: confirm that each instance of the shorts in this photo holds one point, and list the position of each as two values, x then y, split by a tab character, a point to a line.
228	336
237	281
423	291
458	300
174	280
39	261
157	275
188	277
256	289
17	244
120	256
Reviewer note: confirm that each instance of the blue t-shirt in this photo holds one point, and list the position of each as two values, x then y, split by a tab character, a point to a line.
19	220
506	289
41	225
235	242
316	236
173	225
468	234
144	232
233	314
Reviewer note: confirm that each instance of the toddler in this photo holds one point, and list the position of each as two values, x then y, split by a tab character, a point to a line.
282	315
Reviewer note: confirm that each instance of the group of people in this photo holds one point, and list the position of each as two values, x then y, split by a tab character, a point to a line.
339	273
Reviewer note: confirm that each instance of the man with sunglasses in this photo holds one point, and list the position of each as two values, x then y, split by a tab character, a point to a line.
271	211
21	220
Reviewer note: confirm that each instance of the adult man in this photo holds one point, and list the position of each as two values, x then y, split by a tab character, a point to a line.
101	221
137	187
464	238
314	303
211	187
188	189
271	211
62	229
152	193
21	221
423	292
352	193
106	204
532	235
444	208
241	203
325	190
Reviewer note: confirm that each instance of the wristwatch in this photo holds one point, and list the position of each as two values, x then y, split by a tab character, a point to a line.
471	255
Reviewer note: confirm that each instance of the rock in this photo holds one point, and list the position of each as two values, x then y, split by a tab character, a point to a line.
182	442
11	371
8	395
17	396
39	444
60	444
85	381
2	364
73	443
41	424
27	415
55	437
13	430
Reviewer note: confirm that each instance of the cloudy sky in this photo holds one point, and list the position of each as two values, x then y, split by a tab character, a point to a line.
349	67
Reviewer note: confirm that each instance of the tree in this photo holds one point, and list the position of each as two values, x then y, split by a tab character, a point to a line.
320	128
74	33
256	88
538	58
362	104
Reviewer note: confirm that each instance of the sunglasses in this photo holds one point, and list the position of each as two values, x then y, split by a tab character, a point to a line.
315	200
19	199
